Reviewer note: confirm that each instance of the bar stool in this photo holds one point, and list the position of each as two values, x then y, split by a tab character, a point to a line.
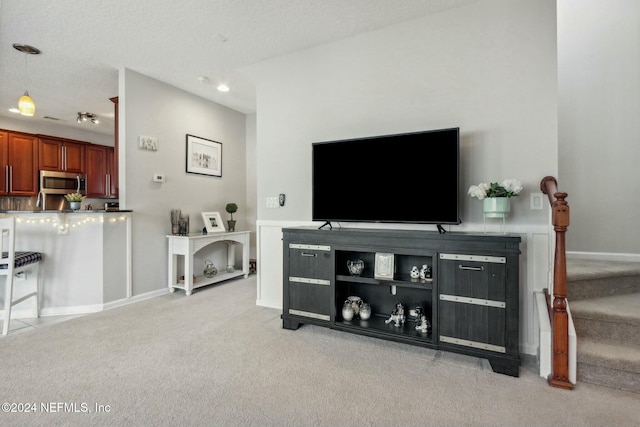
11	264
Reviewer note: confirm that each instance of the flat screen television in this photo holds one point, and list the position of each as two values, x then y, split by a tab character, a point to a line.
402	178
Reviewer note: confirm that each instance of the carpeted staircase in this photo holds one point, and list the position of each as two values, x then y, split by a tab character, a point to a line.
604	299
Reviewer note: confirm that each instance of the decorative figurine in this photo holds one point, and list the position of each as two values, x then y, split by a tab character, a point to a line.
414	273
397	315
356	303
425	272
422	323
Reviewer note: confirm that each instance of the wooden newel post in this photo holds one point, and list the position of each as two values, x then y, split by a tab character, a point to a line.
558	312
559	316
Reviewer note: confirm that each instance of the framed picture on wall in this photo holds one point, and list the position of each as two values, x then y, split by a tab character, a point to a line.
204	156
212	221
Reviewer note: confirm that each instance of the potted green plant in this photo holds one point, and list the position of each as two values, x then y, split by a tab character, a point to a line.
496	196
231	208
74	200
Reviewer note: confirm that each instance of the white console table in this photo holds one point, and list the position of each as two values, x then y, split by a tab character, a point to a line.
187	246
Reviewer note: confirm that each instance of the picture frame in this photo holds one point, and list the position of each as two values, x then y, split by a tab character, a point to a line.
384	266
213	222
203	156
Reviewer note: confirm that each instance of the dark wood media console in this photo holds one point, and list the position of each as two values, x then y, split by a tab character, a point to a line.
471	301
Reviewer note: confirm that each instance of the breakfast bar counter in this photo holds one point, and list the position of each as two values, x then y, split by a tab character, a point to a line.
86	258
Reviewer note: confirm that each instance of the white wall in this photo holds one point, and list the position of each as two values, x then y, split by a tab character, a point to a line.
251	210
151	108
489	68
81	133
599	110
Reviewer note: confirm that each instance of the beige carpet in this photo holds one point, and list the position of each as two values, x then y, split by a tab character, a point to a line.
216	359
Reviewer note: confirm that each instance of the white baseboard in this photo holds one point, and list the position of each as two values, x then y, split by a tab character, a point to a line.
84	309
603	256
55	311
137	298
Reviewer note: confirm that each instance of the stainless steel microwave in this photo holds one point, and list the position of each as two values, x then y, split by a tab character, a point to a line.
62	182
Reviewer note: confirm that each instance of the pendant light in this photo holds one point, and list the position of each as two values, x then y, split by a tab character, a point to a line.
26	106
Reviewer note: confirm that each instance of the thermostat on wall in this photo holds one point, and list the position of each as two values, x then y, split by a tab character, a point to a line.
158	177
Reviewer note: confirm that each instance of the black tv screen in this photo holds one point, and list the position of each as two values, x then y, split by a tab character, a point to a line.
403	178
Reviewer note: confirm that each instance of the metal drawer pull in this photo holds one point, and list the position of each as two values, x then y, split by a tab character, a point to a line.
464	267
322	282
308	254
309	247
473	344
309	314
476	301
479	258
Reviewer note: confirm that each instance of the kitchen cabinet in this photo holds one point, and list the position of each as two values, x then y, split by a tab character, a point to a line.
61	155
114	157
98	170
19	162
112	171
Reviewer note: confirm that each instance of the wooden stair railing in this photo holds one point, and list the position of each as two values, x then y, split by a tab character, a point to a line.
558	311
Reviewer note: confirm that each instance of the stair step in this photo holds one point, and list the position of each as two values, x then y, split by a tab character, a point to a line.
611	365
598	278
613	319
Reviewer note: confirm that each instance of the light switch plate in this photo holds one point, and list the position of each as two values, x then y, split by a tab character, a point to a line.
536	201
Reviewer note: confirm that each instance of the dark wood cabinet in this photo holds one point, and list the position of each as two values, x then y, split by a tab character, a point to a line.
309	281
471	299
112	172
61	155
19	162
113	162
98	171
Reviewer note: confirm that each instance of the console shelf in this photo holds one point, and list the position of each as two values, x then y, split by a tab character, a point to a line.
471	300
376	325
399	280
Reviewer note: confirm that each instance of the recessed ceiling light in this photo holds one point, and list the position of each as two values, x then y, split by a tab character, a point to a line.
203	79
223	87
14	110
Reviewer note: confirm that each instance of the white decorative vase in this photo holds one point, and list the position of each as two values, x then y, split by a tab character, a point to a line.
74	205
496	207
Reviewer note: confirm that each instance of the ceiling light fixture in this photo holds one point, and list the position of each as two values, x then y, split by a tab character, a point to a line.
223	87
83	116
25	104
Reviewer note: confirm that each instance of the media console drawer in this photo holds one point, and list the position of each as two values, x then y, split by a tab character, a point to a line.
309	276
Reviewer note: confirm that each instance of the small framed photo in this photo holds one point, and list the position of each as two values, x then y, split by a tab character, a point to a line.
385	266
212	221
204	156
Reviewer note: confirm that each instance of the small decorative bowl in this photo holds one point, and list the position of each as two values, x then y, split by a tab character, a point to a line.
355	267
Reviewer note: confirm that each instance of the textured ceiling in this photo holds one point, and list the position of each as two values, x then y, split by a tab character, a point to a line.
84	44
